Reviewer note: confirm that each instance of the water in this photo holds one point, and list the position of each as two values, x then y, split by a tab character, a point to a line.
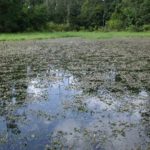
41	110
51	99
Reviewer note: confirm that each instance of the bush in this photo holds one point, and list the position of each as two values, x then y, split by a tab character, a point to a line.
57	27
134	28
115	24
146	27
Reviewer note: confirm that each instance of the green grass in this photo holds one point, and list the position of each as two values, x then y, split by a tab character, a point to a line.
82	34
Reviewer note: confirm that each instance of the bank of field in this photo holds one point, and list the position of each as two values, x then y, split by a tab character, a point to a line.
87	35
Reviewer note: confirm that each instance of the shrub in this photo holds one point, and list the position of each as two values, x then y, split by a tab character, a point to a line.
115	24
146	27
57	27
134	28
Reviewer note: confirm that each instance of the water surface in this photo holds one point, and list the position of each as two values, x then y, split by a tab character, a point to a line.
74	94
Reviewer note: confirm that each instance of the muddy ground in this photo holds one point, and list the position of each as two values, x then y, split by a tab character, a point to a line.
75	94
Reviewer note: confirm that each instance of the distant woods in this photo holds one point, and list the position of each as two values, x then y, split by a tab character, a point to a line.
65	15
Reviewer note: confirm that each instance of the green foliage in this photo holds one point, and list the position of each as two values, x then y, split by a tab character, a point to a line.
35	15
38	17
18	16
92	13
57	27
10	15
115	24
146	27
133	13
145	12
134	28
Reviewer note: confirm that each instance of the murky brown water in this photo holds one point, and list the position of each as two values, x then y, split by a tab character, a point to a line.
75	94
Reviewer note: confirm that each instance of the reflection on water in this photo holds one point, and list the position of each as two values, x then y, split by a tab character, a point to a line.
71	101
39	111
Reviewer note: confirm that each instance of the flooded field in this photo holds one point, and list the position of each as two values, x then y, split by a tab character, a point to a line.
75	94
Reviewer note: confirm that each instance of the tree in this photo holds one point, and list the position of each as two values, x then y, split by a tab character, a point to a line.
10	15
131	13
92	13
38	16
22	15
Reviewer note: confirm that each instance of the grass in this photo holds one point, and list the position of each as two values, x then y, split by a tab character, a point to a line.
82	34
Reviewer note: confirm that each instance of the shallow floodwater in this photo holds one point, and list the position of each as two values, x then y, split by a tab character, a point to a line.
74	94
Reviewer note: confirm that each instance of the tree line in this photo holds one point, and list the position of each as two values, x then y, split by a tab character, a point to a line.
34	15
